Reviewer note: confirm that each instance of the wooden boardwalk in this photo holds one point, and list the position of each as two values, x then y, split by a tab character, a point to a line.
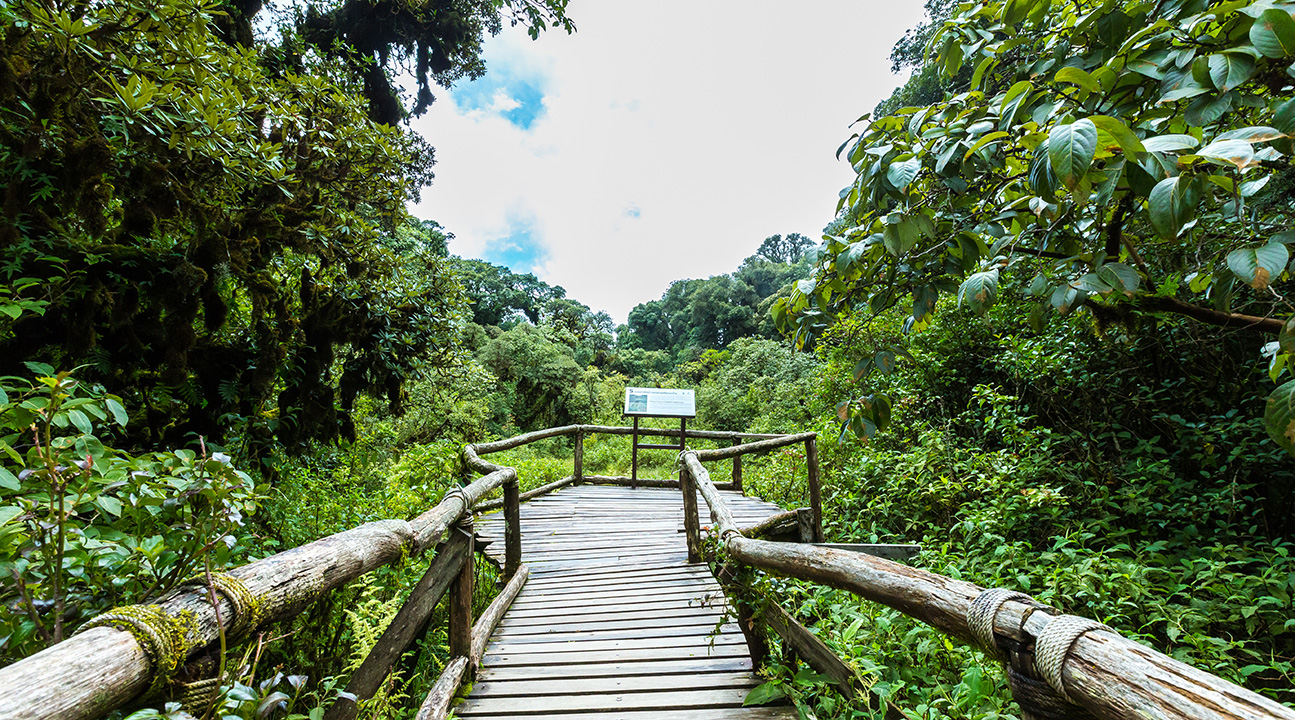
614	622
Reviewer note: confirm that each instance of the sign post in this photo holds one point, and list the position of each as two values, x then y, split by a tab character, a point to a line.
657	402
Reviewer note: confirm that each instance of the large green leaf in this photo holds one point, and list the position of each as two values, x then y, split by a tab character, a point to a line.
1236	153
1078	77
1042	178
900	174
1120	276
1071	149
1208	108
1284	118
1252	134
1286	336
979	291
765	693
1279	416
9	512
1273	34
8	481
1169	143
1012	100
903	231
1120	132
1229	69
1172	205
1259	266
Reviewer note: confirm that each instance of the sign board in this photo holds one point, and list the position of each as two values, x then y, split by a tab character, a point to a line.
660	402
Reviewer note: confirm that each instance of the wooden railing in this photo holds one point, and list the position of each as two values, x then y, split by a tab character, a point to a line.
1056	662
739	446
112	664
109	666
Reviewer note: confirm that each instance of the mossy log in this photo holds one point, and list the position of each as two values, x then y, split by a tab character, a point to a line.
1109	675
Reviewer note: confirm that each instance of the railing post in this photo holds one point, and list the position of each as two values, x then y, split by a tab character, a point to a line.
461	601
737	469
579	470
691	523
805	525
512	528
634	455
815	491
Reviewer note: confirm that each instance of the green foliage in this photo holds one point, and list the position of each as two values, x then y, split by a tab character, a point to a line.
84	528
693	316
1093	142
1108	473
208	220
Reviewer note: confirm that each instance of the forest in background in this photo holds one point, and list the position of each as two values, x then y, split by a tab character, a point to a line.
1055	370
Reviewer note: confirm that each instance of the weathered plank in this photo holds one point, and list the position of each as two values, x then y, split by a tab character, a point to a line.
751	713
811	649
680	700
612	608
678	666
583	686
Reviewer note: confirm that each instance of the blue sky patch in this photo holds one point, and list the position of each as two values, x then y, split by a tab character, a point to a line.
519	252
514	93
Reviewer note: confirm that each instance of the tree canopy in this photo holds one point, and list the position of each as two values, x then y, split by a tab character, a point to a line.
213	219
1127	157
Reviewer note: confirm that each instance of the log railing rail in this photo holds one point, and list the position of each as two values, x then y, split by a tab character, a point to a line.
741	444
109	665
1057	661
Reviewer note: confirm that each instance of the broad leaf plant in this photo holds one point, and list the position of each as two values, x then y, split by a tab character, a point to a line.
1131	157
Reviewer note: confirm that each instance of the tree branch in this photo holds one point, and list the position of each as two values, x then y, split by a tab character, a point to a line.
1155	303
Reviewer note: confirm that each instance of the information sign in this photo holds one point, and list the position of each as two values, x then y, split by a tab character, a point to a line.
660	402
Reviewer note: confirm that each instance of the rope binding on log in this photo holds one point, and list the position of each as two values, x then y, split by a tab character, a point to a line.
983	612
249	612
165	638
1054	643
1034	670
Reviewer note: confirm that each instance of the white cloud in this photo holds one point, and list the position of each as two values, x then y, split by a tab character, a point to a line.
673	138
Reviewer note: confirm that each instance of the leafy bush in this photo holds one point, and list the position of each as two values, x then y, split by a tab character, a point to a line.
84	527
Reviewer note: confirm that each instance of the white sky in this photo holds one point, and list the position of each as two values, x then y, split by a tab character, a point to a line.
673	137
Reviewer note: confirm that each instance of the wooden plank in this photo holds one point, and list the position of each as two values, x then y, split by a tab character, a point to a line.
514	647
409	622
686	603
596	615
682	700
674	666
698	631
686	624
691	587
583	686
606	656
751	713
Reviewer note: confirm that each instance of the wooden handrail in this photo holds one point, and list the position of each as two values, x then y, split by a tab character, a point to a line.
103	668
1111	676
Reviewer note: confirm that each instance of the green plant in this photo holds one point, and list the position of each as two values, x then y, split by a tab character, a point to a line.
84	527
